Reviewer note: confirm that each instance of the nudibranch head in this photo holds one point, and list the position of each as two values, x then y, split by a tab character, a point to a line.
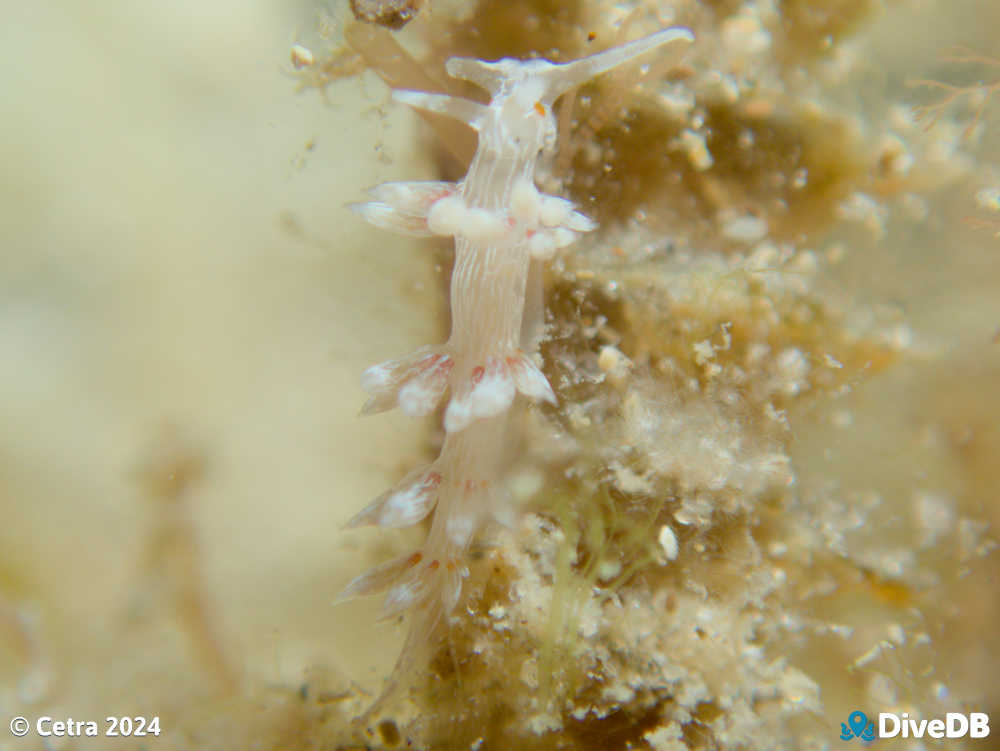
520	112
522	92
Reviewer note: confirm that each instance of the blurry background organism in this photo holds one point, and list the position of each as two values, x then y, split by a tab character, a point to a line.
393	14
170	572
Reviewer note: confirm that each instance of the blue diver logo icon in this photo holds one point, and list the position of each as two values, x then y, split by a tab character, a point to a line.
857	726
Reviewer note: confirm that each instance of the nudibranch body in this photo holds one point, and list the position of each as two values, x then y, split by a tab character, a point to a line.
500	222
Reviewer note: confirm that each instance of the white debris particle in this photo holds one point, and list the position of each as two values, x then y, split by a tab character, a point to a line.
868	656
614	364
544	722
743	34
863	209
891	564
835	254
801	690
743	228
841	630
897	634
703	351
609	358
665	738
525	484
668	541
894	159
901	118
899	337
302	57
608	570
529	673
697	510
693	144
842	418
777	415
628	480
725	87
989	199
792	367
578	417
916	207
804	262
756	353
882	690
765	256
970	538
678	100
934	515
727	337
694	692
618	693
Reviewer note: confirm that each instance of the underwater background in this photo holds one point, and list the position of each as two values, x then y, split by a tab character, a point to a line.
783	346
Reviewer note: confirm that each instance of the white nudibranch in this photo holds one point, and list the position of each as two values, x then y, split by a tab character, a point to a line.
500	222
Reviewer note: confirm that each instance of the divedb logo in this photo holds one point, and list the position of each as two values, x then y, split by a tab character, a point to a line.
954	725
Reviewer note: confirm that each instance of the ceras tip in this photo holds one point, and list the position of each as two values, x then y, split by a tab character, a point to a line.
406	504
415	383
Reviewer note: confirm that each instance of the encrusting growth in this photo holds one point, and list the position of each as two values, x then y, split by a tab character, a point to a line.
500	222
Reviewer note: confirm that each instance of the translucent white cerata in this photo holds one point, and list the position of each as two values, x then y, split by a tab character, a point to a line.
500	222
